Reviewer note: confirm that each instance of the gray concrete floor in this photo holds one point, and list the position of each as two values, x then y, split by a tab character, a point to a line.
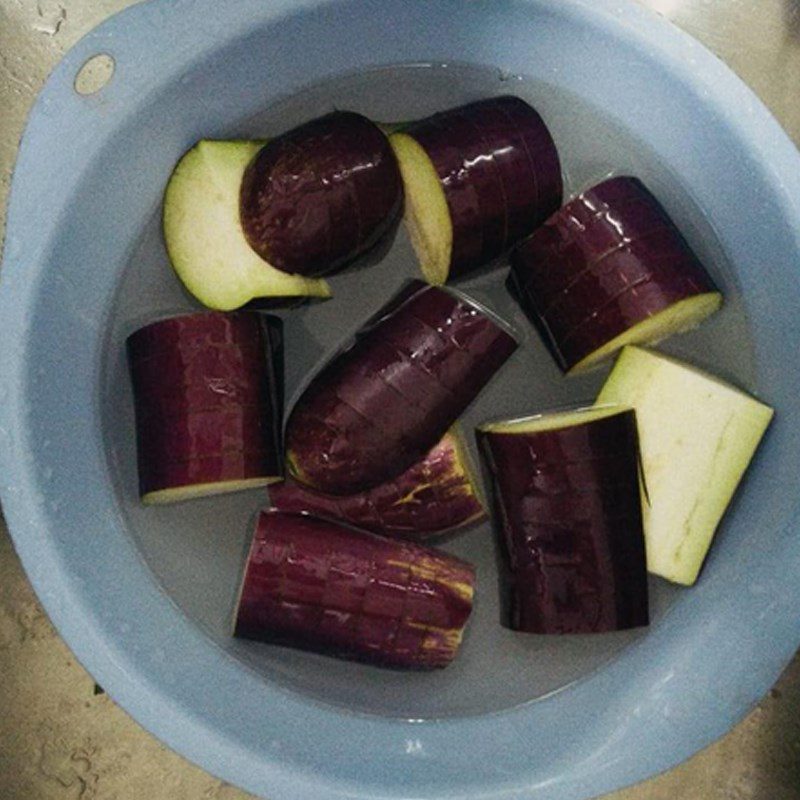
60	739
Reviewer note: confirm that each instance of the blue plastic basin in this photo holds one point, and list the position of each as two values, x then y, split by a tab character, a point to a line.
143	596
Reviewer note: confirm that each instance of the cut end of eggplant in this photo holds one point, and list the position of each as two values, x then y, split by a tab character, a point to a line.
683	316
427	217
204	236
555	420
697	437
179	494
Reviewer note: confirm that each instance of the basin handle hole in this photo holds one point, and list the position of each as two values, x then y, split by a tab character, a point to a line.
95	74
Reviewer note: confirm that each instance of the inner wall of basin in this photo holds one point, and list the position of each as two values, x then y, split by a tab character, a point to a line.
197	549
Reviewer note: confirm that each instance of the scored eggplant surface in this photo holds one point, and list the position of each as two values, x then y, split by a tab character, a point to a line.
208	399
381	404
568	512
318	585
609	269
438	494
478	178
321	195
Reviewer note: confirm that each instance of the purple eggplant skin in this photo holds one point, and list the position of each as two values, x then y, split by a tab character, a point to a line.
500	171
382	403
208	398
608	260
319	585
322	195
434	496
571	532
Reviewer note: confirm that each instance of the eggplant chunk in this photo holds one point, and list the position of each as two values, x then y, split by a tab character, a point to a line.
204	237
438	494
609	269
568	512
478	179
381	404
208	398
320	196
318	585
698	435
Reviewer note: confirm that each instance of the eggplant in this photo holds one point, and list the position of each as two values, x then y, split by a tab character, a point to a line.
319	585
438	494
320	196
208	399
568	513
698	435
478	179
204	238
609	269
383	402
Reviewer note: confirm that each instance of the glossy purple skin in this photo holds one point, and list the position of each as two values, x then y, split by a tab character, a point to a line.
432	497
318	585
208	397
381	404
571	532
500	171
543	157
606	261
321	195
